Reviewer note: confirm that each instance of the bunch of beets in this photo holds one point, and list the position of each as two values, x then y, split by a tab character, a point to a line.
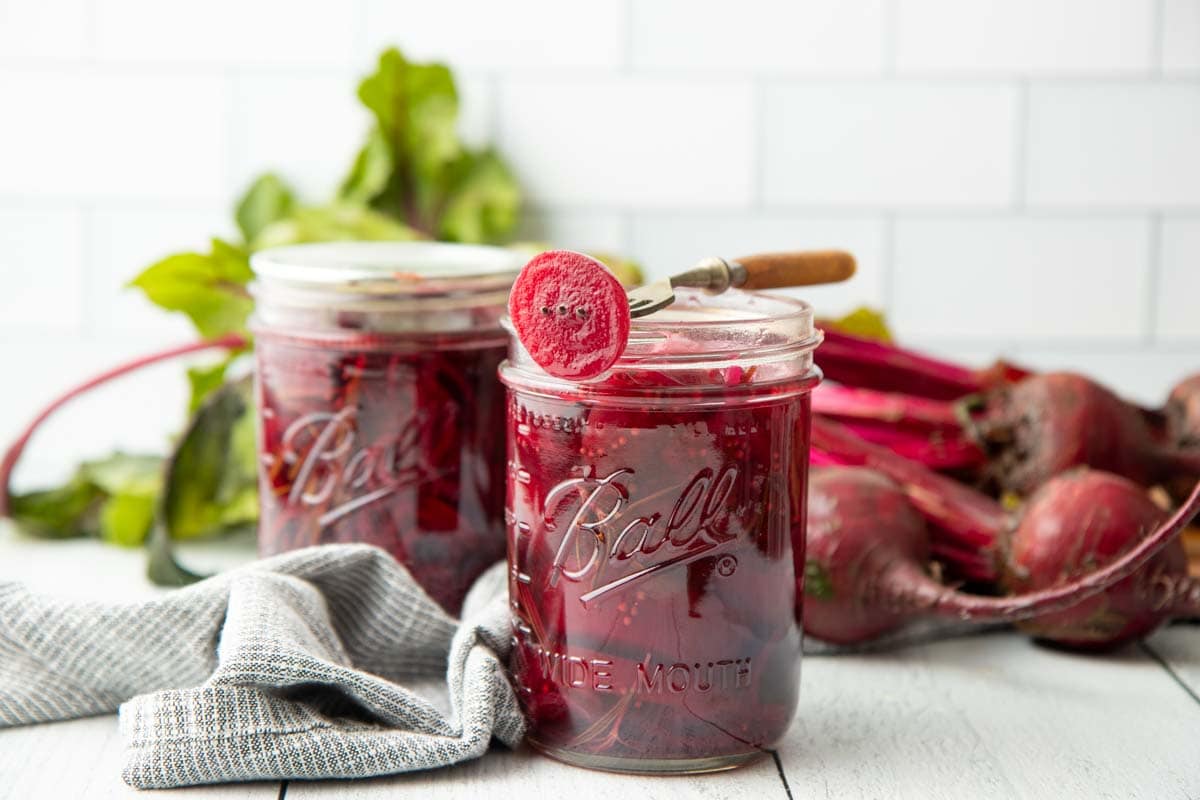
994	495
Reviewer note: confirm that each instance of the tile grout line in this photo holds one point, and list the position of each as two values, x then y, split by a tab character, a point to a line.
1158	21
1162	662
849	211
758	155
889	267
361	27
1020	183
628	35
1153	278
89	32
782	777
891	37
232	84
86	322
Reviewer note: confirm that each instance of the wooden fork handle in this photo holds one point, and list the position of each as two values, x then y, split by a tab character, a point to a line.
799	268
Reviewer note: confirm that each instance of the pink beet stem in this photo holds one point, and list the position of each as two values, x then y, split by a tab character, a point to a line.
964	562
970	518
935	449
866	363
230	341
846	402
819	458
910	587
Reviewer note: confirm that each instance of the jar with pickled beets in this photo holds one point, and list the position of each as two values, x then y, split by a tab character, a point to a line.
380	410
656	521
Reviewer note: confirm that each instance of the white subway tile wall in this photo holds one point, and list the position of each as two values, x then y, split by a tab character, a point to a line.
1181	36
1016	176
890	144
630	142
1179	282
533	36
226	33
41	250
119	237
302	126
1025	37
1132	144
1019	280
754	36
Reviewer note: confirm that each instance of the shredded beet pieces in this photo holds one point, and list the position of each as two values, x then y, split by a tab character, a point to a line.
388	440
653	553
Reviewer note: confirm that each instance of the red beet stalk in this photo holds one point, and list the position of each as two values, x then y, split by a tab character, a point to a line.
926	431
870	364
892	408
231	341
936	450
966	520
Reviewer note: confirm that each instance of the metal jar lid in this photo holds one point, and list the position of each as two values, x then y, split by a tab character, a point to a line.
384	286
400	268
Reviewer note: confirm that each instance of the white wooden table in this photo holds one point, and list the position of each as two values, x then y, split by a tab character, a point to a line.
991	716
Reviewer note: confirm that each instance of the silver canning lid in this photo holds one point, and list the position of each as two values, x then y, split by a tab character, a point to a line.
382	287
388	268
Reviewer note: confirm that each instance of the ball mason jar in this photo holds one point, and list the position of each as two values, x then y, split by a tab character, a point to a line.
380	410
655	538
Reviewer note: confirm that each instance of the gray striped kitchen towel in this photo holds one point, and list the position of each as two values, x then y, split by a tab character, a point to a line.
329	662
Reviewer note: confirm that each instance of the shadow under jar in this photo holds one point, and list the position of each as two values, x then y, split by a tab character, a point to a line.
380	410
655	538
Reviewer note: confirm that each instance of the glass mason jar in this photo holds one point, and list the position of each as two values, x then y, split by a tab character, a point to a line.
655	538
379	404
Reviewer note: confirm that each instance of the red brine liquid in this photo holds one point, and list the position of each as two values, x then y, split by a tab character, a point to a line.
389	440
379	404
655	530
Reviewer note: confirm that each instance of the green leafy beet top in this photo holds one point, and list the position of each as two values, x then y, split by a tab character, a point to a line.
413	178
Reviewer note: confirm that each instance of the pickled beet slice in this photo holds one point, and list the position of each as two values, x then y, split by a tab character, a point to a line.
571	314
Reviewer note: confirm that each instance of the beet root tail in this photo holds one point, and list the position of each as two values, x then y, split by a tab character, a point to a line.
927	595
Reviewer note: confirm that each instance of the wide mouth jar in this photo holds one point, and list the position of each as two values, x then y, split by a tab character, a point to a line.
378	402
656	530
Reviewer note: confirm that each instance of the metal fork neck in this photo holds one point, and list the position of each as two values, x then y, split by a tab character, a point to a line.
712	275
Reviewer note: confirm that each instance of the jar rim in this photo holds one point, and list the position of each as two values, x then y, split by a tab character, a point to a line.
793	320
757	329
388	268
696	309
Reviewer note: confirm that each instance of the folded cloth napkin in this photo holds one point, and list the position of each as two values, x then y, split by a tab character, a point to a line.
329	662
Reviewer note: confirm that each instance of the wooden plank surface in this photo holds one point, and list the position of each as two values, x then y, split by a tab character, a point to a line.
1178	648
991	716
82	759
89	570
525	774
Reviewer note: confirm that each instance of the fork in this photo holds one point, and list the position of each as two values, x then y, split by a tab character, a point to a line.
762	271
